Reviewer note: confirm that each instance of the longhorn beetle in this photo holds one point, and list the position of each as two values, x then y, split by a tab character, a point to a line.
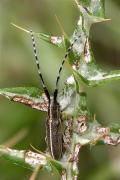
53	124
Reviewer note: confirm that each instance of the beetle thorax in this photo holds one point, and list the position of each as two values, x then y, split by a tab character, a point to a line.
54	109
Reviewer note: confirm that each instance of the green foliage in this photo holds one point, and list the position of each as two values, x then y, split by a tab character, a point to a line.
96	7
31	92
85	129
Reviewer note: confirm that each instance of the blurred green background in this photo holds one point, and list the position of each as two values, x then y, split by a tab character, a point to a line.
17	68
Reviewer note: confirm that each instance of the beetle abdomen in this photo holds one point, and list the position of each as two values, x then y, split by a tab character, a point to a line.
54	138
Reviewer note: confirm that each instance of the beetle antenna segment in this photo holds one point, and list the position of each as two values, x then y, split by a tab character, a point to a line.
38	65
61	67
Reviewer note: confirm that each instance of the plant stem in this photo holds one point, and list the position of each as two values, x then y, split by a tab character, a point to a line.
71	172
64	176
72	169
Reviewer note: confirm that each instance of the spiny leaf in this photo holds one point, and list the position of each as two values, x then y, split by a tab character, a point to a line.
92	75
86	19
35	98
29	159
84	24
95	133
55	40
29	96
15	156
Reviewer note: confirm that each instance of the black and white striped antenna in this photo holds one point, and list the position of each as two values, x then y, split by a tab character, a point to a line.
61	67
38	65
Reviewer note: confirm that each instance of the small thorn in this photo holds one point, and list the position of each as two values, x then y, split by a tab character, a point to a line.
20	27
38	151
61	27
25	30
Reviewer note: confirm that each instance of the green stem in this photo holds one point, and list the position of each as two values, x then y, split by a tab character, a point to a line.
72	168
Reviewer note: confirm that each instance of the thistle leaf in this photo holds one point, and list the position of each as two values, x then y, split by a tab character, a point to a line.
30	96
30	160
96	134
